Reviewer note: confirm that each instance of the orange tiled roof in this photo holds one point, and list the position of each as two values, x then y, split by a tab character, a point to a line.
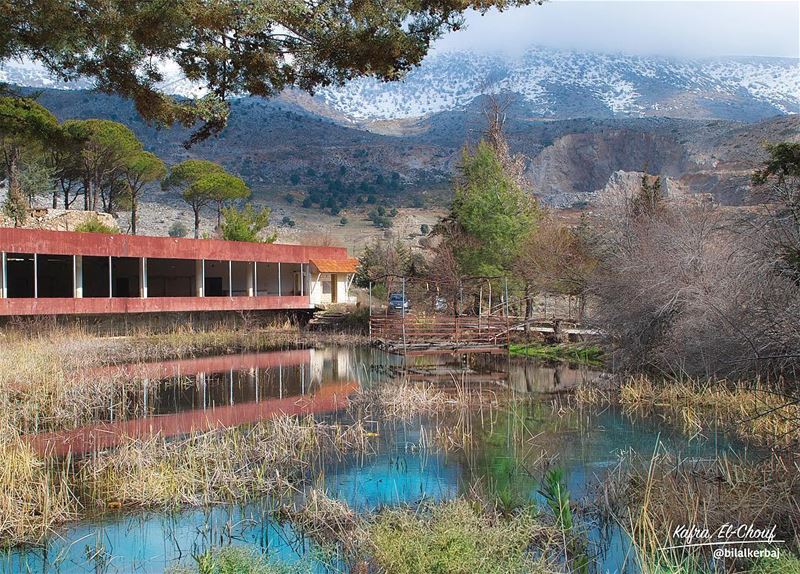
335	265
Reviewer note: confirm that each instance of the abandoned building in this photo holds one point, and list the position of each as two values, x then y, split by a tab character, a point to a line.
67	273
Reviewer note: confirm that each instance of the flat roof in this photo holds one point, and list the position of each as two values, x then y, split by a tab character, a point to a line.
16	240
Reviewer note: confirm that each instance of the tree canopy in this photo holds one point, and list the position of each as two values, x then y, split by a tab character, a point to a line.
229	46
202	182
492	212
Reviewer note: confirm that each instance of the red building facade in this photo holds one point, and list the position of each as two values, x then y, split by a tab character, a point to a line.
68	273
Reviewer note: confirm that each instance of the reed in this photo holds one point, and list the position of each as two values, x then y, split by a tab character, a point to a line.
650	498
223	465
34	497
759	412
404	400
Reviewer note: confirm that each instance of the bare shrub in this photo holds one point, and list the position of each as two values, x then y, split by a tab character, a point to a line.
685	291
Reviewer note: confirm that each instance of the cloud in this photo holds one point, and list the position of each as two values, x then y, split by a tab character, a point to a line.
676	28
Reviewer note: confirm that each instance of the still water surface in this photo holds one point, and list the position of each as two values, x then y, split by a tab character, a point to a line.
181	396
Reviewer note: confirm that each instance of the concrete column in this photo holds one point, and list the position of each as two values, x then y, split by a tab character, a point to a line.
255	278
250	275
110	278
279	279
200	277
77	276
143	277
35	276
3	280
302	279
230	278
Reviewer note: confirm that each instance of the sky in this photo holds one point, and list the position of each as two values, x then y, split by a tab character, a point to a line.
679	28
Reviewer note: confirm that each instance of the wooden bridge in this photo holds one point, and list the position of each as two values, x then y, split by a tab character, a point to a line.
412	334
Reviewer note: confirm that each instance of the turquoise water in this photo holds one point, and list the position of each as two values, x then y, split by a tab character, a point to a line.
585	445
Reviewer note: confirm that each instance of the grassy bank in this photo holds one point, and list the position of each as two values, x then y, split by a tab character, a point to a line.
569	353
460	536
761	413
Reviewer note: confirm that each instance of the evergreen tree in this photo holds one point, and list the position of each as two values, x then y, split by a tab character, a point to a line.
230	47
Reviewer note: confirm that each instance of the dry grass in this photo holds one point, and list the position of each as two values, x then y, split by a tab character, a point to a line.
404	400
650	498
757	412
224	465
324	519
33	498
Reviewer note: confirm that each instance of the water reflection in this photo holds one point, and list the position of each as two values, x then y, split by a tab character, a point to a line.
178	397
510	451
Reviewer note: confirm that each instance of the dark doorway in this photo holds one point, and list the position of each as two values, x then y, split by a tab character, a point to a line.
19	268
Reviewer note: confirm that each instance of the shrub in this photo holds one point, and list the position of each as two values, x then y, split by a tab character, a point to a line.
178	229
94	225
424	229
237	560
343	221
455	538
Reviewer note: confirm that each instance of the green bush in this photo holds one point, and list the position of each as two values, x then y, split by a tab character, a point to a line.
455	538
94	225
178	229
237	560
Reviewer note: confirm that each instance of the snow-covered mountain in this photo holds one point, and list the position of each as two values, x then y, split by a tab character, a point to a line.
559	84
546	83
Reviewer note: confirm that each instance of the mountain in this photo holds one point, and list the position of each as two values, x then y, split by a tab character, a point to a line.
578	118
547	83
561	84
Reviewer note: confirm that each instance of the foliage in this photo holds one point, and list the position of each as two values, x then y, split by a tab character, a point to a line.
455	538
555	493
25	126
36	179
778	181
424	229
229	47
178	229
492	212
104	150
556	258
94	225
185	177
140	169
649	201
246	224
381	259
238	560
786	564
578	354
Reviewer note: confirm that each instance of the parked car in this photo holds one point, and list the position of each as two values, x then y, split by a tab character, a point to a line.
398	302
440	304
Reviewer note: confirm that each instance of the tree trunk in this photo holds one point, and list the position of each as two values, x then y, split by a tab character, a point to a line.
196	222
133	216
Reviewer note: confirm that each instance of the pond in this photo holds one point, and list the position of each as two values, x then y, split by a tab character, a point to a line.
196	394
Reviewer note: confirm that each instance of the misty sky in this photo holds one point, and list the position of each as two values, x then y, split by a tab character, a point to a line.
677	28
